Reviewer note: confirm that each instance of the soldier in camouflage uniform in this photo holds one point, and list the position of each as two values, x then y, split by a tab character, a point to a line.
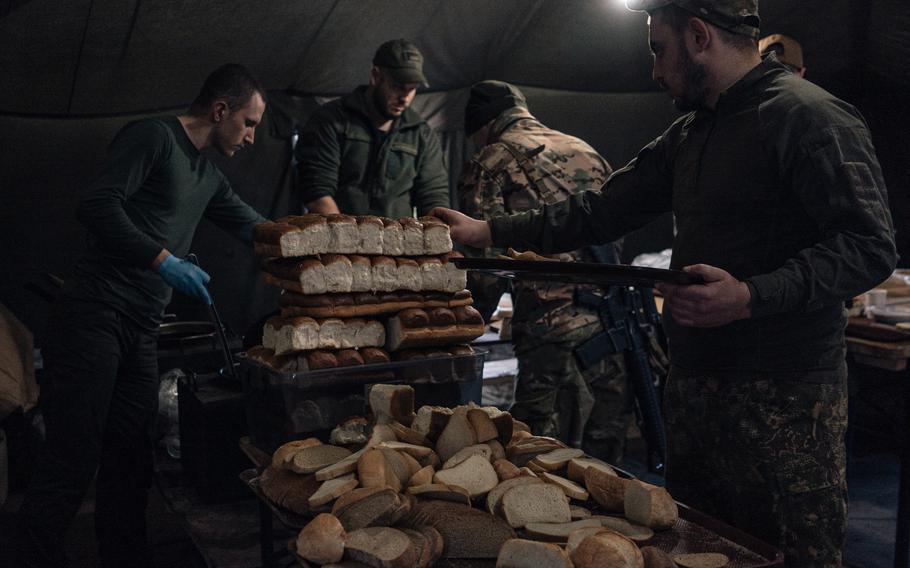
781	209
522	165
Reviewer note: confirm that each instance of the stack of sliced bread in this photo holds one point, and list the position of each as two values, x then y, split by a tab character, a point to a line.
476	477
350	284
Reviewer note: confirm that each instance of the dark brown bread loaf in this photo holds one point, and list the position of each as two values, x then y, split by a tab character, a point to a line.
373	355
467	532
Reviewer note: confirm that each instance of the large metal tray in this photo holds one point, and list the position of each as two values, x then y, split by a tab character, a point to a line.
576	272
694	532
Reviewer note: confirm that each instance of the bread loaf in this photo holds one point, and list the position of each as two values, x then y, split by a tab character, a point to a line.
286	335
436	238
380	547
392	403
609	491
467	532
371	231
392	237
414	328
456	278
412	231
409	277
432	273
607	548
650	506
322	540
521	553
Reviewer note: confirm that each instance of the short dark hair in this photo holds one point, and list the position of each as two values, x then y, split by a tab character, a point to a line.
232	82
678	19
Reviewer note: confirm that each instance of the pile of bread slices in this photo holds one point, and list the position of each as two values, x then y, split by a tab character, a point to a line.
468	482
361	290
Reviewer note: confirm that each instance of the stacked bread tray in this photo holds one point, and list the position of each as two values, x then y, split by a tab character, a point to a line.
364	300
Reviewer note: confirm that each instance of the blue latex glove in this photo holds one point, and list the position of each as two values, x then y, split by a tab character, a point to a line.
186	277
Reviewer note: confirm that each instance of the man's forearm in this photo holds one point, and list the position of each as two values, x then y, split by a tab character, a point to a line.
325	205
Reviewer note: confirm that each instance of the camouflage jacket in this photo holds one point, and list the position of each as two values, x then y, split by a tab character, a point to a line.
495	183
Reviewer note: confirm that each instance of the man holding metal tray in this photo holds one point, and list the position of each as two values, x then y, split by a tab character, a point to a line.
782	211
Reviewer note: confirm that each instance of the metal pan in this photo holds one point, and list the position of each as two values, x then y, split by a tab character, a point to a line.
577	272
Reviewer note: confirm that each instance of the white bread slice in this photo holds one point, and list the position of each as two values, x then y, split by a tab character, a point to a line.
353	496
321	541
570	488
380	547
413	450
345	466
392	403
575	469
475	474
313	458
579	512
409	435
607	548
285	454
374	470
558	532
431	420
332	489
521	553
505	469
533	503
495	494
402	464
656	558
457	434
650	505
464	453
382	508
421	546
578	535
380	433
441	491
557	458
483	425
423	476
496	449
632	531
701	560
608	490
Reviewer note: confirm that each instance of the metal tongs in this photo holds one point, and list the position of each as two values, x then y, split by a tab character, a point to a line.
213	312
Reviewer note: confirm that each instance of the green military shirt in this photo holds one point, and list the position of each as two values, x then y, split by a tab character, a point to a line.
341	154
494	183
153	191
779	186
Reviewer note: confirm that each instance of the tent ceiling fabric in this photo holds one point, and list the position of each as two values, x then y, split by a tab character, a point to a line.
91	57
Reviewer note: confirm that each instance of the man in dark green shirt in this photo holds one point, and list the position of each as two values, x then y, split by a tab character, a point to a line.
781	209
100	396
369	153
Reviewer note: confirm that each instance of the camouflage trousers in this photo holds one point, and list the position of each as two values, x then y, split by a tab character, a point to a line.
765	456
589	408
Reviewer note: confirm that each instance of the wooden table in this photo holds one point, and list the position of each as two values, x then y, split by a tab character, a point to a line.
893	356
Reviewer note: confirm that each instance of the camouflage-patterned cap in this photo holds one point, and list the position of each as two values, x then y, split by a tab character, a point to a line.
487	100
403	60
737	16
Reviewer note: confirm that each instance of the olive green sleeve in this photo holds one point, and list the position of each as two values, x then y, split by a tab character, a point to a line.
431	186
318	154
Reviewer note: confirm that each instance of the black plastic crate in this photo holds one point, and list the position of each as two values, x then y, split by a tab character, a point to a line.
286	406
